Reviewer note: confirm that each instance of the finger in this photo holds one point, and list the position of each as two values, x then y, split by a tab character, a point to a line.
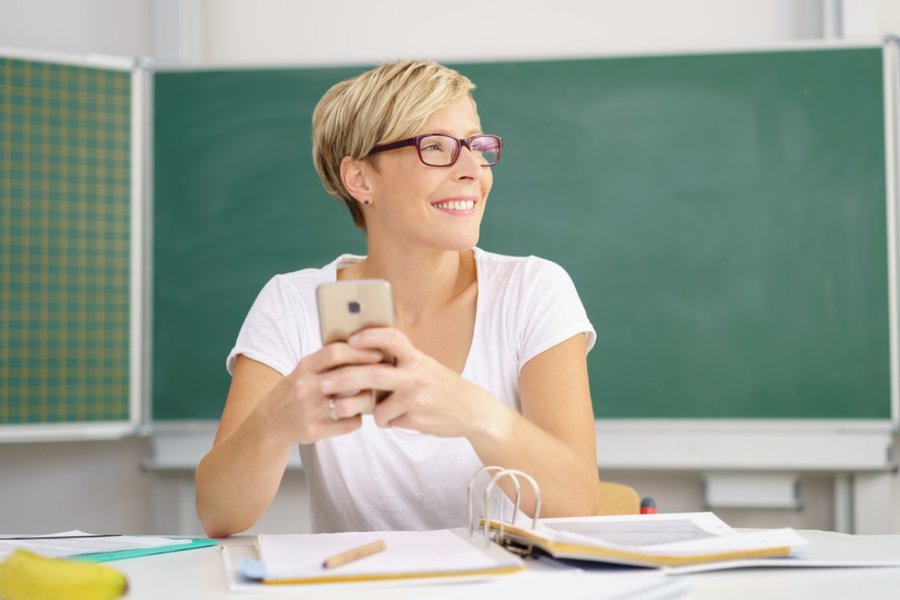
351	406
389	340
349	379
331	428
337	354
389	413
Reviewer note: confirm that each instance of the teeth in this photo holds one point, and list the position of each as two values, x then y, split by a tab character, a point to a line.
456	205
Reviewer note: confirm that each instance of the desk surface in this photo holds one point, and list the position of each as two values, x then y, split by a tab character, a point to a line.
200	574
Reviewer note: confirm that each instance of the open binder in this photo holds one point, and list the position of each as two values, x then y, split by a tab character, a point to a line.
661	540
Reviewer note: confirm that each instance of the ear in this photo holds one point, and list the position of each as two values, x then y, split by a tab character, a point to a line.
355	177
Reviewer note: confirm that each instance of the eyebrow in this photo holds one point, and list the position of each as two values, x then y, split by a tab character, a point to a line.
472	132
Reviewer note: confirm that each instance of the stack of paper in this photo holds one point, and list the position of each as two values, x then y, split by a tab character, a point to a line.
79	543
441	554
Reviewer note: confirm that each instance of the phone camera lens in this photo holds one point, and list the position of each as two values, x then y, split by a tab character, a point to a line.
354	307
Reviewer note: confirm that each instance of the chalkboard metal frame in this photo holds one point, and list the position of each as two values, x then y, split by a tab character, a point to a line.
892	183
137	360
792	445
836	422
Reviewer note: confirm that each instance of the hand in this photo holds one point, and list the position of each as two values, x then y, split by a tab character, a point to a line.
297	411
426	396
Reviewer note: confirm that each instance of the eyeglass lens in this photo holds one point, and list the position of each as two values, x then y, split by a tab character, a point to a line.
443	150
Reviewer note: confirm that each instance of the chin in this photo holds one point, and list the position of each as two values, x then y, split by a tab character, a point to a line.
466	242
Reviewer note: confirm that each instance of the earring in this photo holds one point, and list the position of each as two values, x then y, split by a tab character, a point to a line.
366	201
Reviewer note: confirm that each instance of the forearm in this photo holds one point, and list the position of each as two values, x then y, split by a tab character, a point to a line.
567	478
237	480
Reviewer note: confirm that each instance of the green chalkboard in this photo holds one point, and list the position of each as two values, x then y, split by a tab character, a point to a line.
65	245
723	216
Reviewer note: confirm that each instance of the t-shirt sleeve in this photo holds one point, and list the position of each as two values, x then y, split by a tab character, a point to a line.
550	310
268	334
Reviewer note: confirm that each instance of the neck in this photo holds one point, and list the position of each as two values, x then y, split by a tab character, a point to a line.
422	281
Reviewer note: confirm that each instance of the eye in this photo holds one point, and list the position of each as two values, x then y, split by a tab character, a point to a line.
484	144
435	144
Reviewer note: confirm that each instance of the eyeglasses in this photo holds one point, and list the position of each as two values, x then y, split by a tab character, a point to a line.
439	150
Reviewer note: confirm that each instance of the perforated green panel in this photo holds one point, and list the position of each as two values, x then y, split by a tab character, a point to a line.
65	154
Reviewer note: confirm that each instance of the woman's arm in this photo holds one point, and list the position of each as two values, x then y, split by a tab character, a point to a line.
265	417
552	440
237	480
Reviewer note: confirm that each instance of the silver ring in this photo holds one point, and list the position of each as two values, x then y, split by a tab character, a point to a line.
332	410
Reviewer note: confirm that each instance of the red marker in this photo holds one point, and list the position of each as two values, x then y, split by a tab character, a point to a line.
648	506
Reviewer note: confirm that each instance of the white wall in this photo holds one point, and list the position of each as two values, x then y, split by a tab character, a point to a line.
117	27
99	485
365	32
93	486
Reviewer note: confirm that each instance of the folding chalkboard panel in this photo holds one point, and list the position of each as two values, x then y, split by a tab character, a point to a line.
65	219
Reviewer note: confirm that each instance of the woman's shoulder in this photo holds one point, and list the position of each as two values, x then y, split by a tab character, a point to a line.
309	278
493	265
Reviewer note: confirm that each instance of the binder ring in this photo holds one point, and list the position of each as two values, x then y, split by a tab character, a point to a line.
492	468
500	473
515	474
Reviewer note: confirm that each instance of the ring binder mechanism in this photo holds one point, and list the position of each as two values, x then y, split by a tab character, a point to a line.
499	533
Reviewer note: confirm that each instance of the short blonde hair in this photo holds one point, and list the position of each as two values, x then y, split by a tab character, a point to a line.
384	104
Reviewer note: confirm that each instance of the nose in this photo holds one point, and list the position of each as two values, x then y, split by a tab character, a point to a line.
467	163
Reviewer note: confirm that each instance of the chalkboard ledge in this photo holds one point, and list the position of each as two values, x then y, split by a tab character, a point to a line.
767	445
644	444
179	446
68	432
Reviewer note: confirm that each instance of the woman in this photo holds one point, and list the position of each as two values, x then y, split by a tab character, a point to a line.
490	350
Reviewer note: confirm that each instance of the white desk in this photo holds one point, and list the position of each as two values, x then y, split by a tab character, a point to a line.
199	575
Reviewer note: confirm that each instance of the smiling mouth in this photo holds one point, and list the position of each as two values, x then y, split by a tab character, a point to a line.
456	205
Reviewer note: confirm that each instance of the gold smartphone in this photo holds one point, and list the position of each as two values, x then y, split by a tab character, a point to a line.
347	306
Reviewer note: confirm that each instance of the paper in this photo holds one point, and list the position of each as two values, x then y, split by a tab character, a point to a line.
654	540
75	546
545	578
300	556
678	533
572	584
636	533
826	549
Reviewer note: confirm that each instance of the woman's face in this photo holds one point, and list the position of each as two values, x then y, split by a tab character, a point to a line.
437	208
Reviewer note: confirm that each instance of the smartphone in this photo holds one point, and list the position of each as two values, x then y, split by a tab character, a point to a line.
347	306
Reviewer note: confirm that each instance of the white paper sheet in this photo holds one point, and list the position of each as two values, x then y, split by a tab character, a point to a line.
298	556
826	549
60	547
544	578
673	534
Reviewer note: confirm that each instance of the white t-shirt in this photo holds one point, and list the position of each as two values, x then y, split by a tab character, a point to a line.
376	479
